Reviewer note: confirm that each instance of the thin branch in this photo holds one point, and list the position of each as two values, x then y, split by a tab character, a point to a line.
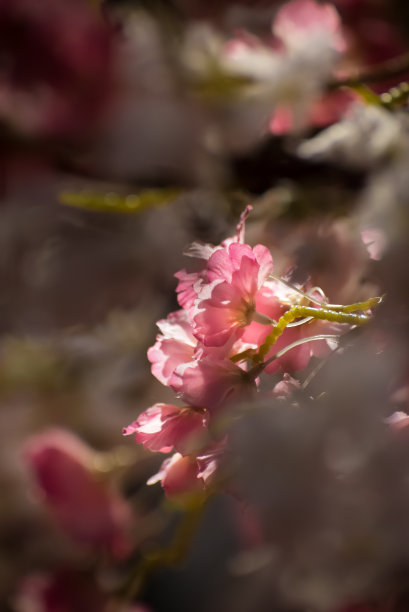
381	72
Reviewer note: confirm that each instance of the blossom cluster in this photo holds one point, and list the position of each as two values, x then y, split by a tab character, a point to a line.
208	354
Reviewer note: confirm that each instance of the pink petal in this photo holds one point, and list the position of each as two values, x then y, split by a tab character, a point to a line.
185	290
179	476
265	261
219	318
241	226
220	266
245	278
164	427
174	346
209	383
282	121
200	250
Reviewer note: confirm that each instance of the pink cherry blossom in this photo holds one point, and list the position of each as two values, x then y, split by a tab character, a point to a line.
300	20
209	383
300	24
175	345
190	283
227	304
181	476
178	476
165	427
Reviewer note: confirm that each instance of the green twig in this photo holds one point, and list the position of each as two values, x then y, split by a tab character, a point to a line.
337	314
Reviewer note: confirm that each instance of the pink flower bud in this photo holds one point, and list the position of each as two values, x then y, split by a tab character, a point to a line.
179	477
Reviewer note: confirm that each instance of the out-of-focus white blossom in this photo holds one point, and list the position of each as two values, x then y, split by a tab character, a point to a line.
373	140
370	135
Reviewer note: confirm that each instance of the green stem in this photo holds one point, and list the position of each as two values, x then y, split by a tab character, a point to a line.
338	314
367	305
381	72
257	369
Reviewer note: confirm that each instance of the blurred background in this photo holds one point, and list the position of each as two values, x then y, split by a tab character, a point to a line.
129	129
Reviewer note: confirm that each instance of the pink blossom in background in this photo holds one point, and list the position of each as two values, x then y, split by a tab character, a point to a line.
327	109
65	590
375	241
298	21
62	591
83	506
164	427
398	421
297	24
56	69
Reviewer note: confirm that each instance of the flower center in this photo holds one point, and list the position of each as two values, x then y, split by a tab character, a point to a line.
246	312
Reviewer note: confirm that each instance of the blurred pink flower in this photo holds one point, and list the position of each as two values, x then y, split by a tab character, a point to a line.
65	590
327	109
298	24
82	504
299	20
375	241
56	65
